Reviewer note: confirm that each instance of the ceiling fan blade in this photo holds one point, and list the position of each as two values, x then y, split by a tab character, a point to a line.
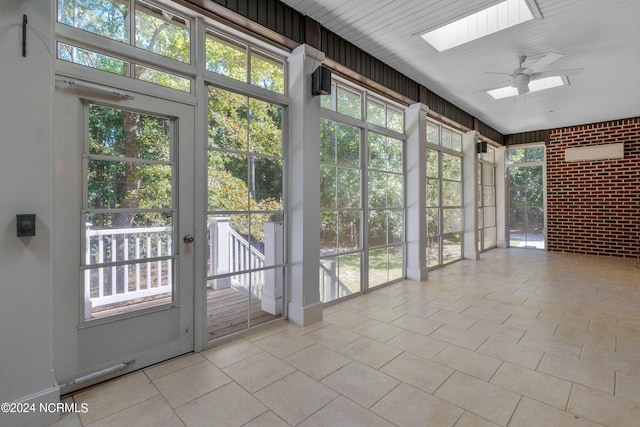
552	73
542	62
496	72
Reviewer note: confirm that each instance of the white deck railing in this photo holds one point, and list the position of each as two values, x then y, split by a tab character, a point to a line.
132	278
331	287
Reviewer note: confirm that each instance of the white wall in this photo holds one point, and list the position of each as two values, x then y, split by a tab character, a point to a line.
25	187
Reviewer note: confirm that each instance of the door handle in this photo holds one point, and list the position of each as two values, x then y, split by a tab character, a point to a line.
188	238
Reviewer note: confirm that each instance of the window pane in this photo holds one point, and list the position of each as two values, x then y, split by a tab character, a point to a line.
266	242
489	196
227	182
451	167
349	102
451	220
328	187
349	273
92	59
433	229
396	255
161	78
451	248
377	190
395	155
456	141
266	188
516	155
226	57
432	164
267	72
433	192
396	226
377	227
119	133
106	18
378	267
375	113
395	120
348	138
535	154
432	134
162	32
328	232
348	230
451	193
395	191
446	138
348	188
327	142
228	121
433	251
377	152
265	128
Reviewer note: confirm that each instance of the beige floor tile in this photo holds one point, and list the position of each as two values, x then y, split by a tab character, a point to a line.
417	324
550	345
628	387
154	412
114	396
598	340
258	371
332	336
418	372
408	406
284	343
417	344
505	297
344	319
227	406
181	386
545	328
531	413
503	332
513	353
296	397
258	335
629	345
449	305
344	412
486	313
381	300
317	361
268	419
370	352
520	310
603	407
478	301
361	383
382	314
416	309
578	322
472	420
620	362
581	372
173	365
482	398
376	330
459	337
232	352
467	361
454	319
546	306
536	385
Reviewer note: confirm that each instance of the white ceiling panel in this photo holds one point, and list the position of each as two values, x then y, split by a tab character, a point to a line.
602	37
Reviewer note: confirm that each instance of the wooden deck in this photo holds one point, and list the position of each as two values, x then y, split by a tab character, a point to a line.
228	312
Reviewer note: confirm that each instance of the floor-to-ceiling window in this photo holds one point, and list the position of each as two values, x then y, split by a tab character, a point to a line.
362	192
487	231
444	195
526	167
246	211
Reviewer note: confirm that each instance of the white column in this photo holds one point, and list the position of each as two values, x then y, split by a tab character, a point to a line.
416	173
470	195
304	188
502	193
273	280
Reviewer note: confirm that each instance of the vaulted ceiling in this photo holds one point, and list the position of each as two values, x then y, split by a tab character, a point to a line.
601	37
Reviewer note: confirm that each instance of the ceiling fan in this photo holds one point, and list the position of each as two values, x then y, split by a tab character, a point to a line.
530	71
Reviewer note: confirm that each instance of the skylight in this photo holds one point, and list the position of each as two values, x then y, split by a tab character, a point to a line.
487	21
534	86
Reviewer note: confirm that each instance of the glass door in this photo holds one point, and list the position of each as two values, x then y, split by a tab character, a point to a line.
526	197
127	198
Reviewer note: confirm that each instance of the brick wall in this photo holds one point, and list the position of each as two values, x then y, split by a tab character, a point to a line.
593	207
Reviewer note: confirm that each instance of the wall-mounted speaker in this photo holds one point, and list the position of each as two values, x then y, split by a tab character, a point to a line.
321	81
481	147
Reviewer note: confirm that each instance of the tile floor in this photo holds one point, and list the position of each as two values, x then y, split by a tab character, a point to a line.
519	338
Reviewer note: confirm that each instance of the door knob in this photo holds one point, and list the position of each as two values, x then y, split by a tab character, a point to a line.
188	238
